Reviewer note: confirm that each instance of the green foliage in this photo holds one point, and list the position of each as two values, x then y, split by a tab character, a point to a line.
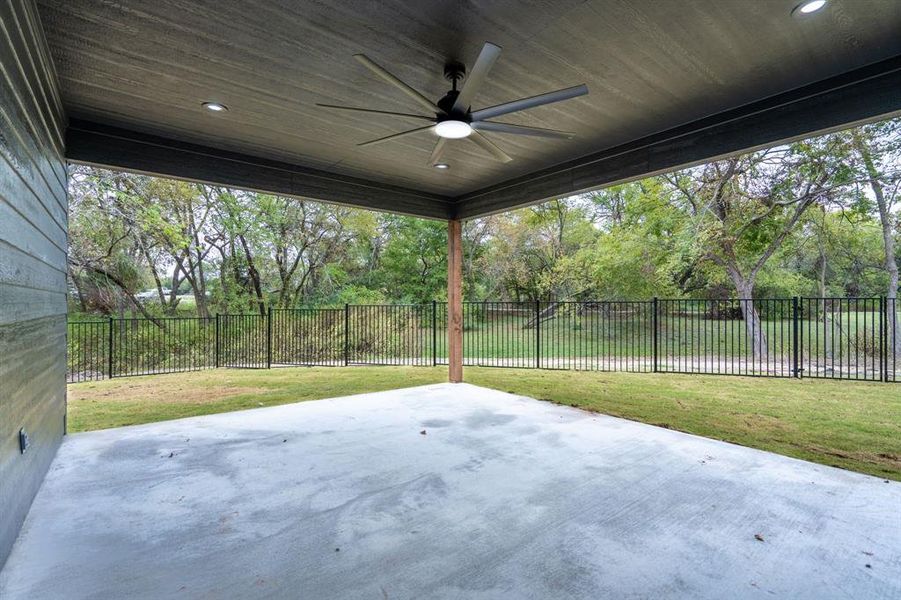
414	260
799	219
358	294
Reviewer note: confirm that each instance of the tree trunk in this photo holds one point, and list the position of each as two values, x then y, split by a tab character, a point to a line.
158	282
546	314
891	266
126	293
172	303
78	291
200	290
821	284
888	238
822	303
755	334
254	275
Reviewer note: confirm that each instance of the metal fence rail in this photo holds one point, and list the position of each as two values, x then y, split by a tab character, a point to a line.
839	338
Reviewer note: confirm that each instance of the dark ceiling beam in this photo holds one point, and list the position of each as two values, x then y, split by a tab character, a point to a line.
104	146
867	94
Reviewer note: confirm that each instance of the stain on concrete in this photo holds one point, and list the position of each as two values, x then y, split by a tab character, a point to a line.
437	423
480	419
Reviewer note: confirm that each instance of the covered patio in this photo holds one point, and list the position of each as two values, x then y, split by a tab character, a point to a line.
445	491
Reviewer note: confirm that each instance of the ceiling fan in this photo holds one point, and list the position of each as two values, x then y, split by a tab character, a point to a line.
453	115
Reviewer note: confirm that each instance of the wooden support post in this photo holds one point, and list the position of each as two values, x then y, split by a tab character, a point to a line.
455	301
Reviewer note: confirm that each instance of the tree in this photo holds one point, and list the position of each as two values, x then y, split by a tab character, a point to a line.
301	238
235	235
414	260
742	209
105	242
877	149
637	254
527	245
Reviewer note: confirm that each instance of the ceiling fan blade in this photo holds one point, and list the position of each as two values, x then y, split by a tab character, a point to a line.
393	80
487	57
522	130
438	152
394	136
489	146
532	102
376	112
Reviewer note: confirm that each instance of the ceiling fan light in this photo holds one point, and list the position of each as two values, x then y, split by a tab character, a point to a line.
453	129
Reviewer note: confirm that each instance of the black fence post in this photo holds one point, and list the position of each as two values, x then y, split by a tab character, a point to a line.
796	370
882	353
654	332
434	333
538	334
890	341
217	340
269	337
891	365
109	364
346	336
885	342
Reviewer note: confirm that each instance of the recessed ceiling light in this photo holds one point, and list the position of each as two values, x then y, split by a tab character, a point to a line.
441	166
453	129
214	106
807	7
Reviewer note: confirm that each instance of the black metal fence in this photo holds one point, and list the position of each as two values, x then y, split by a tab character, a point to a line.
126	347
839	338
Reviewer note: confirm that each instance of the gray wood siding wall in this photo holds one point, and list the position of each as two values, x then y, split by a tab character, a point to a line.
33	221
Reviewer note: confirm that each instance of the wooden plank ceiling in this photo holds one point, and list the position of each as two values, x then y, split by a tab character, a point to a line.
650	66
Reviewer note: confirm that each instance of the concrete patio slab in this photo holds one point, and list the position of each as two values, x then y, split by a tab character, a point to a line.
446	491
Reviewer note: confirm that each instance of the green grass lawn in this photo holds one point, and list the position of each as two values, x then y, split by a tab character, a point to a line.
855	426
